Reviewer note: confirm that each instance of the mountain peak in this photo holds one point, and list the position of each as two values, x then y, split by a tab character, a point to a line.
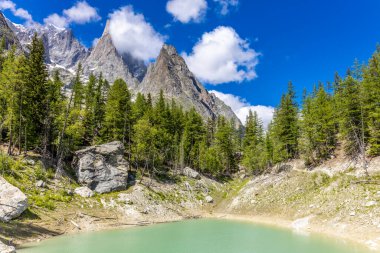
169	49
171	74
106	28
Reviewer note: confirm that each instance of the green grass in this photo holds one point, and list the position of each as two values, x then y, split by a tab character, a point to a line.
24	176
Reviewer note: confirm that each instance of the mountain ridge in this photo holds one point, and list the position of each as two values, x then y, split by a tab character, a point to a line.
169	72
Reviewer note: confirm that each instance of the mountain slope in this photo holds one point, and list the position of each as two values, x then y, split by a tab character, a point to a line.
7	33
171	75
63	51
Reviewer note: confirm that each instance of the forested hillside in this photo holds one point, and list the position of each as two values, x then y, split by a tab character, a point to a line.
38	114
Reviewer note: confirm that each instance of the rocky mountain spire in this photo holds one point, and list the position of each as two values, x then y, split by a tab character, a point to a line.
106	29
171	74
105	59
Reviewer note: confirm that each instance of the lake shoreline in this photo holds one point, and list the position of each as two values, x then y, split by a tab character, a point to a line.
309	228
277	222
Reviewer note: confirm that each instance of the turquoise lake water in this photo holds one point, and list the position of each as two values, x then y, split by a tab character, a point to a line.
195	236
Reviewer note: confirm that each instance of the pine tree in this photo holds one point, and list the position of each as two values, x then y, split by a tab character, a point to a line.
318	132
285	128
13	90
90	102
118	113
75	129
36	79
100	99
226	145
192	136
139	107
254	149
371	95
54	108
350	115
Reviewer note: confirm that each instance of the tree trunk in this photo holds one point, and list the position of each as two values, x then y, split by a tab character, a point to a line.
60	171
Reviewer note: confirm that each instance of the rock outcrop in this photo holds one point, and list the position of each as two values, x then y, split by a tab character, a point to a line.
12	201
84	192
105	59
102	168
171	75
7	33
6	249
189	172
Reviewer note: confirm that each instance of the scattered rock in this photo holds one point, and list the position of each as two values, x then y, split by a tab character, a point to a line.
40	184
188	186
370	203
189	172
209	199
12	201
6	249
84	192
30	162
102	168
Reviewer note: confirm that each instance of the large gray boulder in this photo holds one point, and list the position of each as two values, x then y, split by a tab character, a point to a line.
12	201
6	249
102	168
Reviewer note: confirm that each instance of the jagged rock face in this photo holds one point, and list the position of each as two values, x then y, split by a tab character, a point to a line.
171	75
102	168
62	48
7	33
63	51
105	59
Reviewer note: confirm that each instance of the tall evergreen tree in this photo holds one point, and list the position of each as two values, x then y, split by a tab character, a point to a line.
285	128
37	87
253	144
371	95
118	113
350	113
318	132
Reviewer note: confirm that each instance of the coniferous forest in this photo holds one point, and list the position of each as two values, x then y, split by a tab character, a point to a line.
39	113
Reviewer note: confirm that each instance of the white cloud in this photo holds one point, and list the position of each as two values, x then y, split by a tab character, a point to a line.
187	10
225	5
18	12
221	56
95	42
56	20
5	5
241	107
131	33
80	13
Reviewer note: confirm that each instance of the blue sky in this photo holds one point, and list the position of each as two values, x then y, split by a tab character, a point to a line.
305	41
